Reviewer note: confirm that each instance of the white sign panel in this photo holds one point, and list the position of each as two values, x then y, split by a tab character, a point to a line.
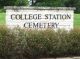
40	19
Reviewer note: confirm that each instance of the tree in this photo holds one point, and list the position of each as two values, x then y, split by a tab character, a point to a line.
21	2
13	3
75	3
51	3
59	3
7	3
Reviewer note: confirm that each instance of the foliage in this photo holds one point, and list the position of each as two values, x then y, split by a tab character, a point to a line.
7	3
75	3
13	3
51	3
23	43
21	2
60	3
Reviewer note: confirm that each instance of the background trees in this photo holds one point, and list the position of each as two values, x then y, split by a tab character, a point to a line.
75	3
21	2
60	3
52	3
13	3
49	3
7	3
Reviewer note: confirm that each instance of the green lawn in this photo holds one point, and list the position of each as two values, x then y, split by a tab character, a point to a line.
76	19
2	18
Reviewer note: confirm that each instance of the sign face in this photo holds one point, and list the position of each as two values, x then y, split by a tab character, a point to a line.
40	19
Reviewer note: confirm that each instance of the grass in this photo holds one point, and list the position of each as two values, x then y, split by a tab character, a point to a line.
2	18
76	19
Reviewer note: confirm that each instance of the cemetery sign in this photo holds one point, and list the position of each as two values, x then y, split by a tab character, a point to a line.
40	17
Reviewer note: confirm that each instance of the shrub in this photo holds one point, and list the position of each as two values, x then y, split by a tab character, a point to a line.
23	43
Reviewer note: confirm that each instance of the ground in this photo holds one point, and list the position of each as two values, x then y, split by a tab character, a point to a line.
76	19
